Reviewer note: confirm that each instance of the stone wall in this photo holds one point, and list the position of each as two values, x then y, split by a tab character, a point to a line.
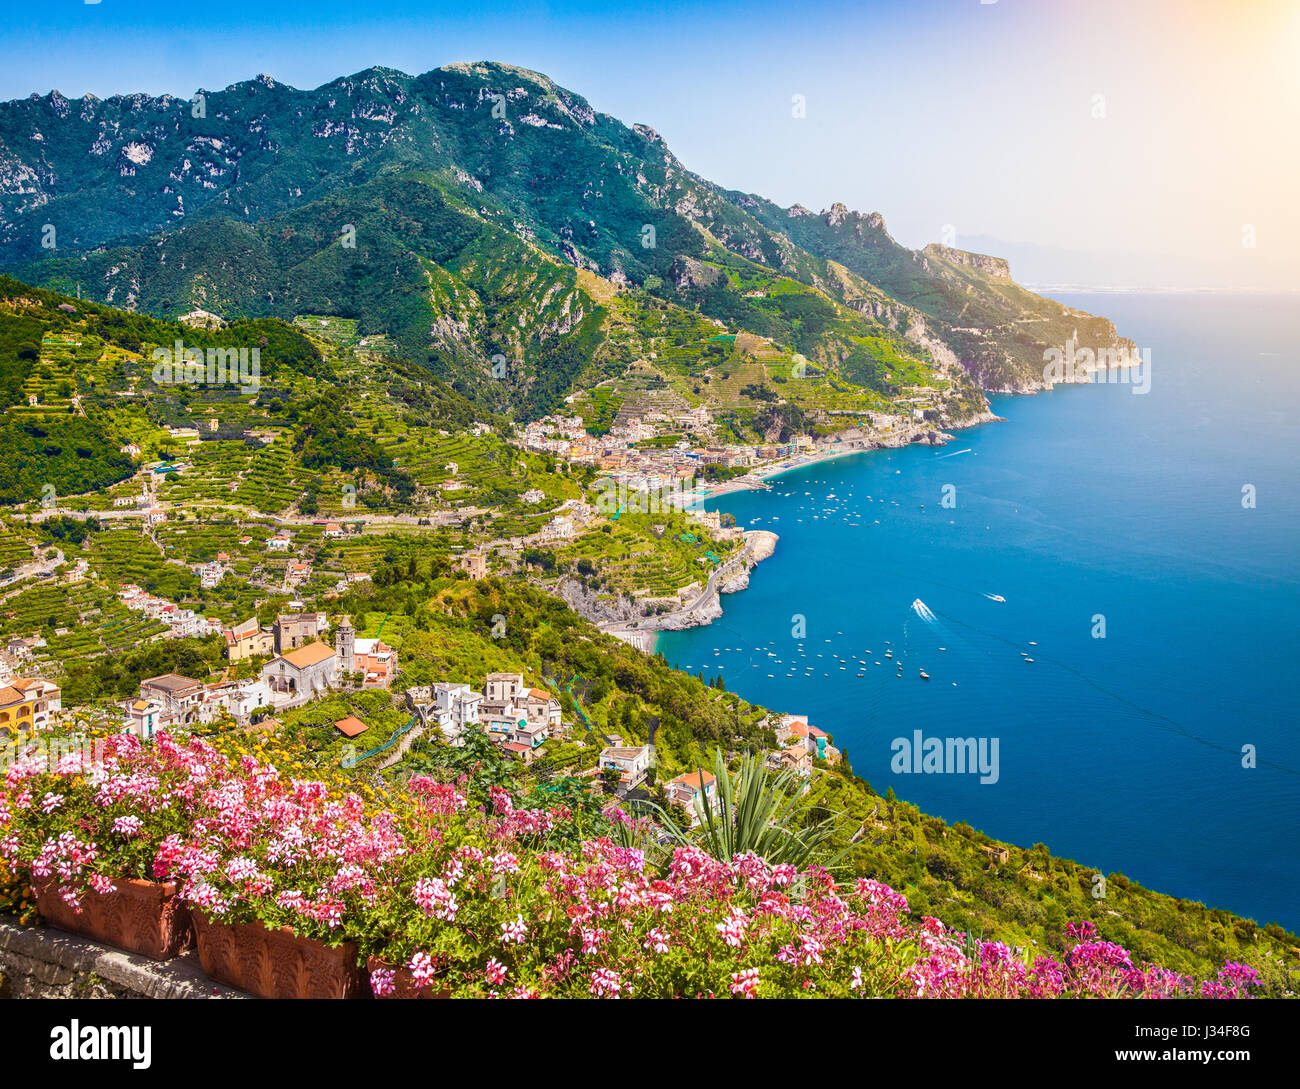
41	962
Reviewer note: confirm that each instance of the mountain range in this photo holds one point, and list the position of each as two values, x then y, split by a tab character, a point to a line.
497	230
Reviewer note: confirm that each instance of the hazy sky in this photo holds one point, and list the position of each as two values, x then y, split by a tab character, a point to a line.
1145	127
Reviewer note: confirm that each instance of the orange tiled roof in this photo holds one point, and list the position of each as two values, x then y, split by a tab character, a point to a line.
26	684
697	780
309	655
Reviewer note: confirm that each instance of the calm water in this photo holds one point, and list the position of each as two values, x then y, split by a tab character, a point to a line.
1123	752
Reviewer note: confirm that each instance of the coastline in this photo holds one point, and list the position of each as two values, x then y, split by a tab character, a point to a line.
754	481
760	544
643	633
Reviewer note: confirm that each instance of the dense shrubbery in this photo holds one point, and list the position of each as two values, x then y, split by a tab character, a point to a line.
118	677
54	445
66	528
72	454
324	440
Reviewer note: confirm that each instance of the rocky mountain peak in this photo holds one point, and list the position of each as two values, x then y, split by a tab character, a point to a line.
837	215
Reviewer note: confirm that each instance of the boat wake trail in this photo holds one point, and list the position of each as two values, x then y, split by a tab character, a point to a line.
993	597
923	611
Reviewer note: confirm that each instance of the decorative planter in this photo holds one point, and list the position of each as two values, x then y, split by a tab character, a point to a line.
138	916
278	963
404	985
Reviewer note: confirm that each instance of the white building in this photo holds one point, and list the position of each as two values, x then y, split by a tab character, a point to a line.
455	707
632	763
181	701
210	574
540	708
686	789
143	717
559	528
239	698
303	673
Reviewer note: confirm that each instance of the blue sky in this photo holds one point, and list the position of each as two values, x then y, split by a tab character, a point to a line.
978	116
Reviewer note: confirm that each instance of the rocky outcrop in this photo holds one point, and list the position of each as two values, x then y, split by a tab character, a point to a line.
706	612
762	543
598	608
996	267
737	580
759	545
689	273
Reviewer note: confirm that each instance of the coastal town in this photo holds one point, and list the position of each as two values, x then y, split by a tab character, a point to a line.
675	458
201	545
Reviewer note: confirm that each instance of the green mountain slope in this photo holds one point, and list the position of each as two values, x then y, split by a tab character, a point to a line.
452	211
969	300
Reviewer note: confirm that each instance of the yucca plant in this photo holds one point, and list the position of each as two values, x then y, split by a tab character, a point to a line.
756	812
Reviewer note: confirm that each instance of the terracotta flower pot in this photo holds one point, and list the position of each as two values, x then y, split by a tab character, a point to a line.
404	985
139	916
278	963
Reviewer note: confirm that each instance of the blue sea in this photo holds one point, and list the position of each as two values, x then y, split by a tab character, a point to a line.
1124	752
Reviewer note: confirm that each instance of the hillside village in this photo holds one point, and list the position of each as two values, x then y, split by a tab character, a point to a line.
200	544
219	515
301	666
